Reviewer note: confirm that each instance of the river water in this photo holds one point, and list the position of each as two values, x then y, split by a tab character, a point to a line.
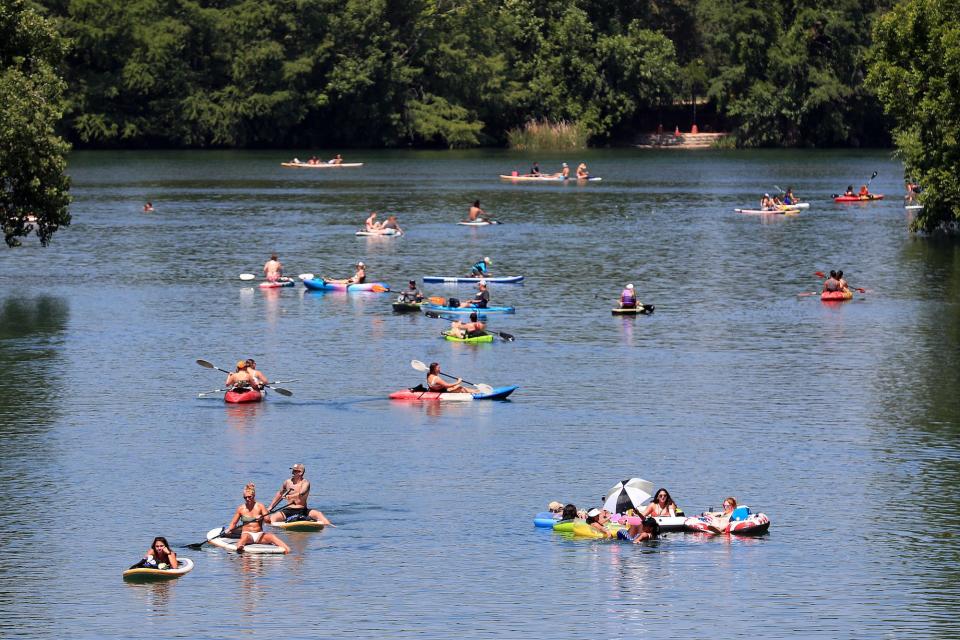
839	422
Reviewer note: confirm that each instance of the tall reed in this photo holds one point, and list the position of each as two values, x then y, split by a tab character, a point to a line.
543	135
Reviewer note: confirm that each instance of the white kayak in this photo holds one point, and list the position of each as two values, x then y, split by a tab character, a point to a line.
770	212
230	544
383	232
153	574
549	178
322	165
913	207
478	223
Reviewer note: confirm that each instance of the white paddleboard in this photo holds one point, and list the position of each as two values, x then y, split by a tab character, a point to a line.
230	544
152	574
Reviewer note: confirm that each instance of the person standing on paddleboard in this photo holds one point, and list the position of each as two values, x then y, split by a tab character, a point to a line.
250	514
296	490
272	269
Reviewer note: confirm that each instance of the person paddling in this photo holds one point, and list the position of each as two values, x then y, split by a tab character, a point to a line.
849	192
439	385
295	490
831	283
476	214
356	278
864	192
241	379
841	283
481	268
481	300
272	269
255	374
628	298
411	293
470	329
249	515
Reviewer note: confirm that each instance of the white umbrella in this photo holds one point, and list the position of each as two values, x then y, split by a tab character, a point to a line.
629	494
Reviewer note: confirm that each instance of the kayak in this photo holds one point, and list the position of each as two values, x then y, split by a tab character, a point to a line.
385	232
406	307
798	205
319	284
439	308
420	393
641	309
913	207
152	574
487	337
747	525
547	178
836	296
784	212
230	544
478	223
299	525
322	165
872	196
282	282
239	397
472	280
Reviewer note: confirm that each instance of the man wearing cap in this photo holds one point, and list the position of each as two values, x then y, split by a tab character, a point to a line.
481	268
481	300
296	489
411	293
357	277
628	298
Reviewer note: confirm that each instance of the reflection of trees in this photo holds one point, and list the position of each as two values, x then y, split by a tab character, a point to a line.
30	332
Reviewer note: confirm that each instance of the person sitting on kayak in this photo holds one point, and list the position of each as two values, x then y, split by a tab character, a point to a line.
648	529
337	159
535	169
767	203
789	198
481	268
476	214
841	283
295	491
249	515
628	298
255	374
391	223
241	379
470	329
437	384
160	555
582	173
371	224
481	300
596	518
831	283
356	278
272	269
850	192
564	171
411	293
662	505
864	192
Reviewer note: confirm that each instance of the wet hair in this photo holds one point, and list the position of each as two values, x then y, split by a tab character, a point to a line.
652	524
669	498
434	366
839	274
833	274
476	203
153	545
569	512
473	316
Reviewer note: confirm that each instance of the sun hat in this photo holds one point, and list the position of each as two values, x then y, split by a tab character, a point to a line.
360	264
629	286
593	513
553	506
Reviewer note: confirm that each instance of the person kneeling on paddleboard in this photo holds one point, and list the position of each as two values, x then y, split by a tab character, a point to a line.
357	277
481	268
436	383
481	300
628	299
468	329
295	490
250	514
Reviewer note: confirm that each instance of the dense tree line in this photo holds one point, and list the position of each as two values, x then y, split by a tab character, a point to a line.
460	72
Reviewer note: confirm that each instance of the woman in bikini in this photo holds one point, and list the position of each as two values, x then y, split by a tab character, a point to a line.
662	505
250	515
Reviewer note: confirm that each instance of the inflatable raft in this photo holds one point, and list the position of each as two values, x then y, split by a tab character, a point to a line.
420	393
153	574
742	523
319	284
282	282
836	296
382	232
230	543
472	280
241	397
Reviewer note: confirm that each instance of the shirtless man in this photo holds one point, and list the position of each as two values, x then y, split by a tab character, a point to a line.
255	374
241	378
831	283
476	213
272	269
296	490
356	278
337	159
468	329
371	223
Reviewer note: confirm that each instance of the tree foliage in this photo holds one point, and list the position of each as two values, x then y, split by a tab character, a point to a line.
915	71
33	186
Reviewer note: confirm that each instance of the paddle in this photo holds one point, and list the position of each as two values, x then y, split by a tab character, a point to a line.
507	337
306	276
210	365
196	546
482	388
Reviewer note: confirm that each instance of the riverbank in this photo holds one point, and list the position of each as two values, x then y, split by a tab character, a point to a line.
682	141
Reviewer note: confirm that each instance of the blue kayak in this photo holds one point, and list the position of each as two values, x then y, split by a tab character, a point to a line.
439	308
470	280
319	284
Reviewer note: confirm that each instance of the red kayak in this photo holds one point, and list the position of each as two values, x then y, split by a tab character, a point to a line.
872	196
836	296
237	397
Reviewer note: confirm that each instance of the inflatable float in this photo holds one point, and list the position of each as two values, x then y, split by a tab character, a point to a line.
742	523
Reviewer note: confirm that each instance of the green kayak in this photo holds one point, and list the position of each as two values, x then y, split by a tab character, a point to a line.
487	337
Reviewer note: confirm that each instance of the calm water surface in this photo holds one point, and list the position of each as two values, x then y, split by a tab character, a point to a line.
839	422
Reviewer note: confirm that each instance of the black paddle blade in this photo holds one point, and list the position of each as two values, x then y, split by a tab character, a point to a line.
431	314
507	336
283	392
874	175
205	364
196	546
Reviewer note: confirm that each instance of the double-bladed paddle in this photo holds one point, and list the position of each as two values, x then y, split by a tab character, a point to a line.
210	365
482	388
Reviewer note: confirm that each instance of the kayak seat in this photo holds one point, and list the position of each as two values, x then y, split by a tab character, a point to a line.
419	389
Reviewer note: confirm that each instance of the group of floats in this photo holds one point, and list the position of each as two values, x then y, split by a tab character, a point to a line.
630	512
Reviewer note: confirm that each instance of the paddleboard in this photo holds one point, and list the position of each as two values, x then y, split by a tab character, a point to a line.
385	232
642	309
913	207
478	223
322	165
761	212
472	280
299	525
152	574
230	544
282	282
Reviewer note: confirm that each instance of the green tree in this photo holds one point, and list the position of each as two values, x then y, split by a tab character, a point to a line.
33	186
915	70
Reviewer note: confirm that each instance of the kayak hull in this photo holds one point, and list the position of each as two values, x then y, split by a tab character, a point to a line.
471	280
152	574
762	212
243	397
878	196
282	282
478	223
322	165
549	178
836	296
230	544
385	232
438	308
487	337
498	393
319	284
639	310
406	307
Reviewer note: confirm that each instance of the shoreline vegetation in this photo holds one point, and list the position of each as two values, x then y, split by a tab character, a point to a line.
542	135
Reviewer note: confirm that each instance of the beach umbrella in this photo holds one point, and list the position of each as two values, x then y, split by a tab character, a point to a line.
628	494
